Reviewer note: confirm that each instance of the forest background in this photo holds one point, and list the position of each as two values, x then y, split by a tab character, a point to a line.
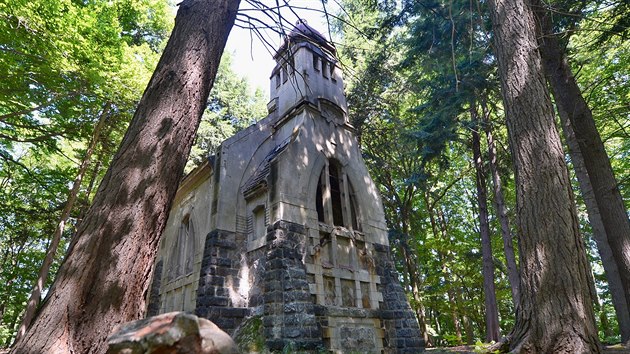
423	92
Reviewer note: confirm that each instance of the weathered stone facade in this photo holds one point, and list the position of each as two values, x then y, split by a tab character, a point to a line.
284	223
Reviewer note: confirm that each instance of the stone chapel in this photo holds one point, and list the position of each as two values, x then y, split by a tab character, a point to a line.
285	223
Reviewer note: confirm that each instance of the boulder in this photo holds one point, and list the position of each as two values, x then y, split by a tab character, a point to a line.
170	333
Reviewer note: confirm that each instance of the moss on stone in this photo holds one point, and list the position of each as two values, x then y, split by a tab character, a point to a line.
249	336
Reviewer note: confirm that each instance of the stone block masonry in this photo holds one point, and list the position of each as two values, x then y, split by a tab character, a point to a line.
219	262
289	313
402	333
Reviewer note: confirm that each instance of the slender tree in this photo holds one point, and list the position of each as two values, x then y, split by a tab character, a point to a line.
106	273
554	271
501	210
490	298
615	285
34	298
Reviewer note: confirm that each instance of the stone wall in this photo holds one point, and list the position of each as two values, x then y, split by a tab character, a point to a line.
402	333
289	313
219	264
291	317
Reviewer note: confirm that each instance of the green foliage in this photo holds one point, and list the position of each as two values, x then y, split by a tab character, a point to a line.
410	99
62	62
602	73
484	348
416	72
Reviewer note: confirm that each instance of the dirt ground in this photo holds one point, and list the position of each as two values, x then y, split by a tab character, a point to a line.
470	349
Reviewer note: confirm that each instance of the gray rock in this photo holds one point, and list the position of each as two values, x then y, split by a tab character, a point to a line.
173	332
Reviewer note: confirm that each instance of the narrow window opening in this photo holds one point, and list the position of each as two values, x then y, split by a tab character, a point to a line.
335	199
353	208
335	195
332	72
324	65
285	75
259	221
315	62
182	256
186	262
278	79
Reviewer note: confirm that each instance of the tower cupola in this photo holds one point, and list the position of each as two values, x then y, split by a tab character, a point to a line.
306	69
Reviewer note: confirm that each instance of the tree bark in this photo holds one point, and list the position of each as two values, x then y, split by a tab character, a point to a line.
604	204
106	273
33	301
414	281
615	285
555	314
502	215
470	334
490	298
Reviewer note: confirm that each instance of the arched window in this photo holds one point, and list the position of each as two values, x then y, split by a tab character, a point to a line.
335	199
182	254
341	245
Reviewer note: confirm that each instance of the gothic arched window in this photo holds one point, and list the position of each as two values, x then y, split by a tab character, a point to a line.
335	199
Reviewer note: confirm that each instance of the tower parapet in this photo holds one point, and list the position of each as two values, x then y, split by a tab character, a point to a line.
306	69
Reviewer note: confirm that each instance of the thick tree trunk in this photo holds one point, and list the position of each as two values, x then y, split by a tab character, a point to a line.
106	273
555	314
33	301
502	215
605	207
490	298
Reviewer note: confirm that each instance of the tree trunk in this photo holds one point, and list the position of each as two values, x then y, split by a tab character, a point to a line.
33	301
470	334
448	278
499	204
555	313
599	233
106	273
490	298
410	262
412	270
604	204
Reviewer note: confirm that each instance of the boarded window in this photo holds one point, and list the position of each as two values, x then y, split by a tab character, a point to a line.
335	200
182	253
259	222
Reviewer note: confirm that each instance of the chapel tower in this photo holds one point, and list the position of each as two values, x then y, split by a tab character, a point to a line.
306	68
